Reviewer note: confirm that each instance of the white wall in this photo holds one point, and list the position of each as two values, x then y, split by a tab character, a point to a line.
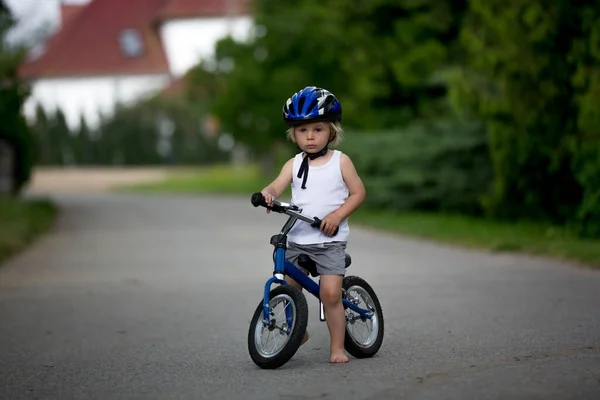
189	40
186	41
90	96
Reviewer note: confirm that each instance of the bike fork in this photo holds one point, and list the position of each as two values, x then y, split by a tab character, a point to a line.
321	311
321	307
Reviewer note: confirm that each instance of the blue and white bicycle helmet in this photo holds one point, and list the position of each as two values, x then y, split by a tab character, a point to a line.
312	104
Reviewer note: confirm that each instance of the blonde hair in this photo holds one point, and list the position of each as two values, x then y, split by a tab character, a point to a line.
336	133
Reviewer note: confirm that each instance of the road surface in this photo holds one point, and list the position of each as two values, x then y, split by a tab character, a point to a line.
150	297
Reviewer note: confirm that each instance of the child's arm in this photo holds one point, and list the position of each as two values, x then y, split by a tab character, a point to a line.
277	187
356	196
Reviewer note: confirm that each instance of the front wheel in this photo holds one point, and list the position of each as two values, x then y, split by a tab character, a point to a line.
364	336
275	342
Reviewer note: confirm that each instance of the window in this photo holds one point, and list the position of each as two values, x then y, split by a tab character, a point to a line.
131	43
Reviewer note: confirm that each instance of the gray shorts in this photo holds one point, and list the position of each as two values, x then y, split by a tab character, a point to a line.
330	258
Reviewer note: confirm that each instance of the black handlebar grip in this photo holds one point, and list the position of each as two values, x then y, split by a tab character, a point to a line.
317	224
258	200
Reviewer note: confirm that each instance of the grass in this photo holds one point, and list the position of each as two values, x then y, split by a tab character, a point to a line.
21	221
495	236
218	179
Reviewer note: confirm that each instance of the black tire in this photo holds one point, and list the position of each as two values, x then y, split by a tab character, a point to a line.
370	346
299	308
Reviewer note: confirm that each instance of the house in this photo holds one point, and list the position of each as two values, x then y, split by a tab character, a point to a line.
109	52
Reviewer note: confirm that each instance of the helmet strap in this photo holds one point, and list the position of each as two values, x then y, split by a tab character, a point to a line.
303	171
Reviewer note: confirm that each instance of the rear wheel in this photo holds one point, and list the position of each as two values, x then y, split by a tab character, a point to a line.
364	336
273	344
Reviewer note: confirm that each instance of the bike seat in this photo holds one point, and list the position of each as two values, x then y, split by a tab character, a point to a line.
308	264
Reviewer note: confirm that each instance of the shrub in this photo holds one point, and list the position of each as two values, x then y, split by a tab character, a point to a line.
441	166
16	134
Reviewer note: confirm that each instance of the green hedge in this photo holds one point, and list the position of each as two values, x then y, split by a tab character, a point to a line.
129	137
15	131
13	128
531	73
441	166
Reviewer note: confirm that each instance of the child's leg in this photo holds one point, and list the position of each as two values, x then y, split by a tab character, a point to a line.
297	286
331	296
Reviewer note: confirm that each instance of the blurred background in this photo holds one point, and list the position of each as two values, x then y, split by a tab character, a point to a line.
486	108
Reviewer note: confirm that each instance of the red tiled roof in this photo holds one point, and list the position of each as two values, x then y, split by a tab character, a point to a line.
89	43
68	12
204	8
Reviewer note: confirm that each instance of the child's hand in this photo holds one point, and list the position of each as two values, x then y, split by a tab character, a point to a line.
330	224
268	199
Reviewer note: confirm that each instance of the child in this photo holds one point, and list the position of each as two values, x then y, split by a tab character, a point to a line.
325	184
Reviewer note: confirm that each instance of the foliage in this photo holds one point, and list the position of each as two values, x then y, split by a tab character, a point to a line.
585	148
531	75
13	93
381	58
441	166
16	133
132	136
50	134
523	73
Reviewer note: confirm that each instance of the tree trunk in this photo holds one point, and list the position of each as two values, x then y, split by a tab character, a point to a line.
7	168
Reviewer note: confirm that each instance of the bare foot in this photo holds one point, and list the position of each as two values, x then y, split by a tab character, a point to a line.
338	356
304	338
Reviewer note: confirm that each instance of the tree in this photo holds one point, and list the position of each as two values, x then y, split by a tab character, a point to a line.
381	58
13	93
585	147
532	76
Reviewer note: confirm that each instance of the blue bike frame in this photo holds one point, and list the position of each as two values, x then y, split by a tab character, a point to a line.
284	267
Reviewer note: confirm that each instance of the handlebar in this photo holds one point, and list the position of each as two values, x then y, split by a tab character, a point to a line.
287	208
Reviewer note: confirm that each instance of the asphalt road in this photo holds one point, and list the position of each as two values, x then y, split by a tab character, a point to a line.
150	298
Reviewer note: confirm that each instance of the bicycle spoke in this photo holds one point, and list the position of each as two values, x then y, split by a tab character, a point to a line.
275	340
362	334
282	310
269	337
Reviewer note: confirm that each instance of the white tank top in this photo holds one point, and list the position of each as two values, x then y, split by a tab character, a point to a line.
325	192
